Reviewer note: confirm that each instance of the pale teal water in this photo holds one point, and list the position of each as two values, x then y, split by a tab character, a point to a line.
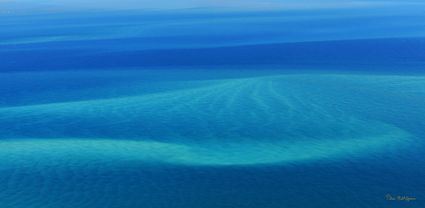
258	140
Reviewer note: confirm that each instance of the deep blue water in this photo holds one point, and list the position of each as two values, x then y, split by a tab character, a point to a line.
205	108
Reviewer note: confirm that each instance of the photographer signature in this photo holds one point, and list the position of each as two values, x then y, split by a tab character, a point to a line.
390	197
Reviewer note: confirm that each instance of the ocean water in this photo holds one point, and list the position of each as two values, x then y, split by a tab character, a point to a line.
316	107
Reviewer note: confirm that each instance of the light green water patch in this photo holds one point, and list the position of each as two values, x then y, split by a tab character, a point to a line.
250	121
77	152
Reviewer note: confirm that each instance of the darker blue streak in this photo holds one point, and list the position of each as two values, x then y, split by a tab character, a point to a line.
372	54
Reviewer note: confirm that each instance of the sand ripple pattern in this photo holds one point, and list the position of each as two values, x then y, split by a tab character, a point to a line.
250	121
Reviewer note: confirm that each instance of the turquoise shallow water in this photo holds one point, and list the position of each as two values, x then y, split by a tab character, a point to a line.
255	120
210	139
